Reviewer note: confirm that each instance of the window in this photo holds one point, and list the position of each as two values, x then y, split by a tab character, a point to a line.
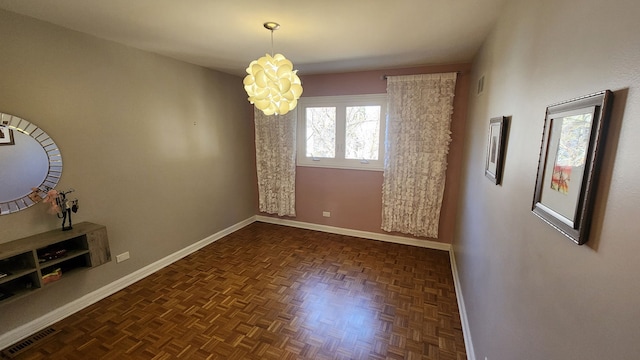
342	131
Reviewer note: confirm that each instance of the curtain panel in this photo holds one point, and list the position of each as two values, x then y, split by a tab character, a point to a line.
276	162
418	137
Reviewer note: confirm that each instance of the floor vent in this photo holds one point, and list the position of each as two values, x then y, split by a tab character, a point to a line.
25	344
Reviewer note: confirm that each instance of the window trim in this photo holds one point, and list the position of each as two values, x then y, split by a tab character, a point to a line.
341	102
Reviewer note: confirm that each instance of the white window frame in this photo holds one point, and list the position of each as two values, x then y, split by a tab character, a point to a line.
340	103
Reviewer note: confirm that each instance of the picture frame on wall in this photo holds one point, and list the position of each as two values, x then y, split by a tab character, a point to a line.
6	136
570	155
495	149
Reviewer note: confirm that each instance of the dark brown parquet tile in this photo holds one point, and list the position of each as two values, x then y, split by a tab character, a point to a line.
274	292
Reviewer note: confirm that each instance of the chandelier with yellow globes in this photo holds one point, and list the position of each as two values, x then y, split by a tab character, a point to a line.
272	84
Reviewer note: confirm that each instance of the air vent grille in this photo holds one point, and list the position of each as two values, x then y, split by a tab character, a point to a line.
27	343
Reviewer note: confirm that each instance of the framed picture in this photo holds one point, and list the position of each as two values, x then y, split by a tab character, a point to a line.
572	144
6	136
495	149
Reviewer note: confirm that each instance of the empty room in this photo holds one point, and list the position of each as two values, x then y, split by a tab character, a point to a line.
319	179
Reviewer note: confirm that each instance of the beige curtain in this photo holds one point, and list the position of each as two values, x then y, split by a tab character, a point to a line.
418	137
276	162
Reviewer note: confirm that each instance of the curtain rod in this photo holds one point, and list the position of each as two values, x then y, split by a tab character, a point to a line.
385	76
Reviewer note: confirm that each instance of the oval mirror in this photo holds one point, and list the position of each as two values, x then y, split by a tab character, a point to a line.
30	164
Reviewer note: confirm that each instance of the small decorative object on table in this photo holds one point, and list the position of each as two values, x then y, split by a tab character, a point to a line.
61	206
55	275
51	254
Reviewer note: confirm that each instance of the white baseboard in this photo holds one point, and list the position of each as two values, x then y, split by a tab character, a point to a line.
62	312
356	233
466	331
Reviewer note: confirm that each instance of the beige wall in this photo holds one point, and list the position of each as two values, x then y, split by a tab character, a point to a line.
354	197
159	151
529	292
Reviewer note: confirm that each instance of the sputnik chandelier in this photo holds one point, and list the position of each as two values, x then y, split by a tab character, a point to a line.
272	84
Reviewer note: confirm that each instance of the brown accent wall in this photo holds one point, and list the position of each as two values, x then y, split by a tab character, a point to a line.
354	197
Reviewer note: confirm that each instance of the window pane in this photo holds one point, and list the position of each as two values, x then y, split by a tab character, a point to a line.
321	132
363	132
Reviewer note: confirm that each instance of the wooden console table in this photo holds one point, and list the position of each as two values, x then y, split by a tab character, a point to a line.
31	263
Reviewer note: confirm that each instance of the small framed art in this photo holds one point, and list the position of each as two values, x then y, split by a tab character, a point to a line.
6	136
495	149
572	144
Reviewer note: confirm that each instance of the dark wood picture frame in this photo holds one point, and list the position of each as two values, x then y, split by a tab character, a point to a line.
570	156
494	160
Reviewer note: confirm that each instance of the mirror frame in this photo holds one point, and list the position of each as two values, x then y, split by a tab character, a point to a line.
53	155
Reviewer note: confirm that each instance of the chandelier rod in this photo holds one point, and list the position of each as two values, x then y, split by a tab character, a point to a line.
270	25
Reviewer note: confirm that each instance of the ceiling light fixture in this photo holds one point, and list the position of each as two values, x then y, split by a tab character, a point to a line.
272	84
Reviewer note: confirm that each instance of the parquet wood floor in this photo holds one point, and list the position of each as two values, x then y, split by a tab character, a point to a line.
275	292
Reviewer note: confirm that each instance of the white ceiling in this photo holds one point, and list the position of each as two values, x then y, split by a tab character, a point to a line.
318	36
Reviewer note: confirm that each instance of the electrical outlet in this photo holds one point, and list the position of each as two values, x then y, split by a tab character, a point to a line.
122	257
326	214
